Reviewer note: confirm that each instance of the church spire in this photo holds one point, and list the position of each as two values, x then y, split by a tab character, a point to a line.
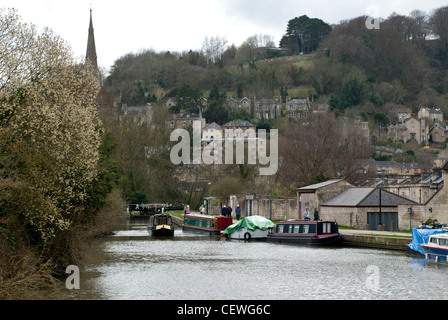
91	49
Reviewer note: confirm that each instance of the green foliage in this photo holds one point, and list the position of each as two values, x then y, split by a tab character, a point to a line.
304	34
188	99
217	111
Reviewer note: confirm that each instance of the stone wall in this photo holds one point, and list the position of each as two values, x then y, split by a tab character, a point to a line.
352	216
282	208
346	216
435	208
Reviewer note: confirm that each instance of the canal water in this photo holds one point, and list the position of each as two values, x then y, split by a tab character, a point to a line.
130	265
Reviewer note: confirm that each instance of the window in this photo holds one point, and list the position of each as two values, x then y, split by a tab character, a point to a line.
296	228
306	228
282	228
326	228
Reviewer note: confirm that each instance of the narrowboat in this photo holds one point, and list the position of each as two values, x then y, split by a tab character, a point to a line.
436	250
252	227
306	232
213	225
161	225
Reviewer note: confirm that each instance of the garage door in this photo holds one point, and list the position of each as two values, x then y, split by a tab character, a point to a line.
389	219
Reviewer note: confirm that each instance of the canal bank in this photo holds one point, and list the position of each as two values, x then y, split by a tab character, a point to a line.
375	239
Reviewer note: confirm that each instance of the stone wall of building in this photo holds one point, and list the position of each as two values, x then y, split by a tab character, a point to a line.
352	216
435	208
270	207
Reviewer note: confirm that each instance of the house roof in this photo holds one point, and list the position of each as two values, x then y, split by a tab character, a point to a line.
214	125
238	123
366	197
300	101
319	185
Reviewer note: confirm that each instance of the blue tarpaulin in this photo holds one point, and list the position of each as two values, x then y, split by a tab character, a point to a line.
421	236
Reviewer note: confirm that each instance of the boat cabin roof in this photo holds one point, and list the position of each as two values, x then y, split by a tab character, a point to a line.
304	221
440	235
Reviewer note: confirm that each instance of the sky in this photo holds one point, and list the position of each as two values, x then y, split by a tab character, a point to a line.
123	27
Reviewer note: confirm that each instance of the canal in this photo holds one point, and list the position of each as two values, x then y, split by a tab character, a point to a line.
130	265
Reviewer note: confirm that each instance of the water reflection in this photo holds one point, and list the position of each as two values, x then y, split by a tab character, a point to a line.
133	265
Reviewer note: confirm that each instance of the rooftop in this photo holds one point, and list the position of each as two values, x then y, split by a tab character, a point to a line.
366	197
319	185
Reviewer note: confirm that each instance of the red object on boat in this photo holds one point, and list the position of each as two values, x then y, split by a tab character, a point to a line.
224	222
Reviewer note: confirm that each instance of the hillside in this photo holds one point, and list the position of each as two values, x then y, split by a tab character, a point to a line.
356	71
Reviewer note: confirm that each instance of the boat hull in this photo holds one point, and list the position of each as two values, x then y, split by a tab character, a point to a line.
244	234
205	224
327	240
200	230
161	231
434	254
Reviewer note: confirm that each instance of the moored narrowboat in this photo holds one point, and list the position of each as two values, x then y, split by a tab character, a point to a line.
212	225
306	232
161	225
436	250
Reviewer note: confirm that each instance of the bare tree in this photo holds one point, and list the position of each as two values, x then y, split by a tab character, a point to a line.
213	48
319	148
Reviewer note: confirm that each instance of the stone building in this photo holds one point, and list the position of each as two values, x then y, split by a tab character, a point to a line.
274	208
434	115
313	195
183	121
365	208
267	109
297	108
437	133
436	207
244	103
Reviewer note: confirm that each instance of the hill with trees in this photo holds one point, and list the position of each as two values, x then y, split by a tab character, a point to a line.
354	70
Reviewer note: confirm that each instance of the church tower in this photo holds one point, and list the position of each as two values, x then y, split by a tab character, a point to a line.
91	49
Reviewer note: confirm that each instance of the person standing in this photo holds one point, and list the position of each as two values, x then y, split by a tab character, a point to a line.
187	211
307	214
229	211
316	215
238	212
224	211
202	209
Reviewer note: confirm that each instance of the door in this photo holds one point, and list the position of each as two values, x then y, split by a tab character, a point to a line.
389	219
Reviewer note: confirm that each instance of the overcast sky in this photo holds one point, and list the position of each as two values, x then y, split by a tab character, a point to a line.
180	25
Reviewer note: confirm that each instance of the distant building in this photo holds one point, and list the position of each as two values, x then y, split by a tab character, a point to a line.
437	133
297	108
244	103
91	48
267	109
433	114
410	130
139	113
212	131
182	121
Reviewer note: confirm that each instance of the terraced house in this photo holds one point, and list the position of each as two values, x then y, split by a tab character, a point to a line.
297	108
267	109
